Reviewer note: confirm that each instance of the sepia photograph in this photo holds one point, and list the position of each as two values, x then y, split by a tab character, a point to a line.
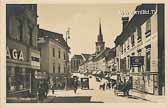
85	53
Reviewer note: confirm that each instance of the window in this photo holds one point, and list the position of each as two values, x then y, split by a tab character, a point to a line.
128	61
139	54
21	30
53	67
19	83
31	36
148	28
133	67
64	68
139	33
53	52
122	49
132	40
64	55
59	53
125	47
148	56
128	44
59	68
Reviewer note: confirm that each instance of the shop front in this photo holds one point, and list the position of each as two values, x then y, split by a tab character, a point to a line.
19	71
18	80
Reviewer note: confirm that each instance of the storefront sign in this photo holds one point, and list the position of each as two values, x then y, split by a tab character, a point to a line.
14	54
136	60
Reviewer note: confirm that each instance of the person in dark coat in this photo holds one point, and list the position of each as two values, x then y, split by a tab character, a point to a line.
46	88
53	89
41	93
75	84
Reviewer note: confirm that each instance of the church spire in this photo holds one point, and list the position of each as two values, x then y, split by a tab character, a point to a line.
100	43
100	35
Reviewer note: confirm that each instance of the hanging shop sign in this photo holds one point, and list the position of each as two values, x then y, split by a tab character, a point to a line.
137	60
14	54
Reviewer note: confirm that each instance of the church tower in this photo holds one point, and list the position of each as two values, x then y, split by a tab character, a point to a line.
100	43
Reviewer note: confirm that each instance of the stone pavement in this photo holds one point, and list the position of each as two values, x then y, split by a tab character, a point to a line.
91	96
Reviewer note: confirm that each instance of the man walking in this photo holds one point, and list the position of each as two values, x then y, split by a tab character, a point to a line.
75	84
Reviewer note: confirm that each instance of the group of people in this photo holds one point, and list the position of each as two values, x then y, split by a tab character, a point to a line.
43	89
107	84
122	85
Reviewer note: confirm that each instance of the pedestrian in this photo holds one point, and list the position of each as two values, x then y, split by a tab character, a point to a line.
46	88
104	86
108	85
113	83
53	89
41	93
75	84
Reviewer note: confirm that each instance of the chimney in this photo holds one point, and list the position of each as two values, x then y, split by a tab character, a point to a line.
125	21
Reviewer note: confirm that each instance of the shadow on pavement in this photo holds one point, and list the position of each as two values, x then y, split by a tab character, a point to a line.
134	97
73	99
53	99
137	97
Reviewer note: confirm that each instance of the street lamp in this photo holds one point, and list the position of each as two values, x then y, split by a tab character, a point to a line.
67	58
68	34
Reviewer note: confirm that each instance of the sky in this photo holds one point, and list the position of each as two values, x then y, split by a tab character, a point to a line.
83	20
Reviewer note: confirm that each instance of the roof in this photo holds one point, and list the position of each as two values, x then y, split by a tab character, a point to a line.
85	56
102	54
136	20
53	35
77	57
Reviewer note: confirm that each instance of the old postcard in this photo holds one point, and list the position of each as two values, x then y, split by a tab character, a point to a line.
104	53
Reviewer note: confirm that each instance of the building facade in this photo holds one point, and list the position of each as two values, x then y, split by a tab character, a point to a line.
22	55
76	60
142	36
54	56
83	66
